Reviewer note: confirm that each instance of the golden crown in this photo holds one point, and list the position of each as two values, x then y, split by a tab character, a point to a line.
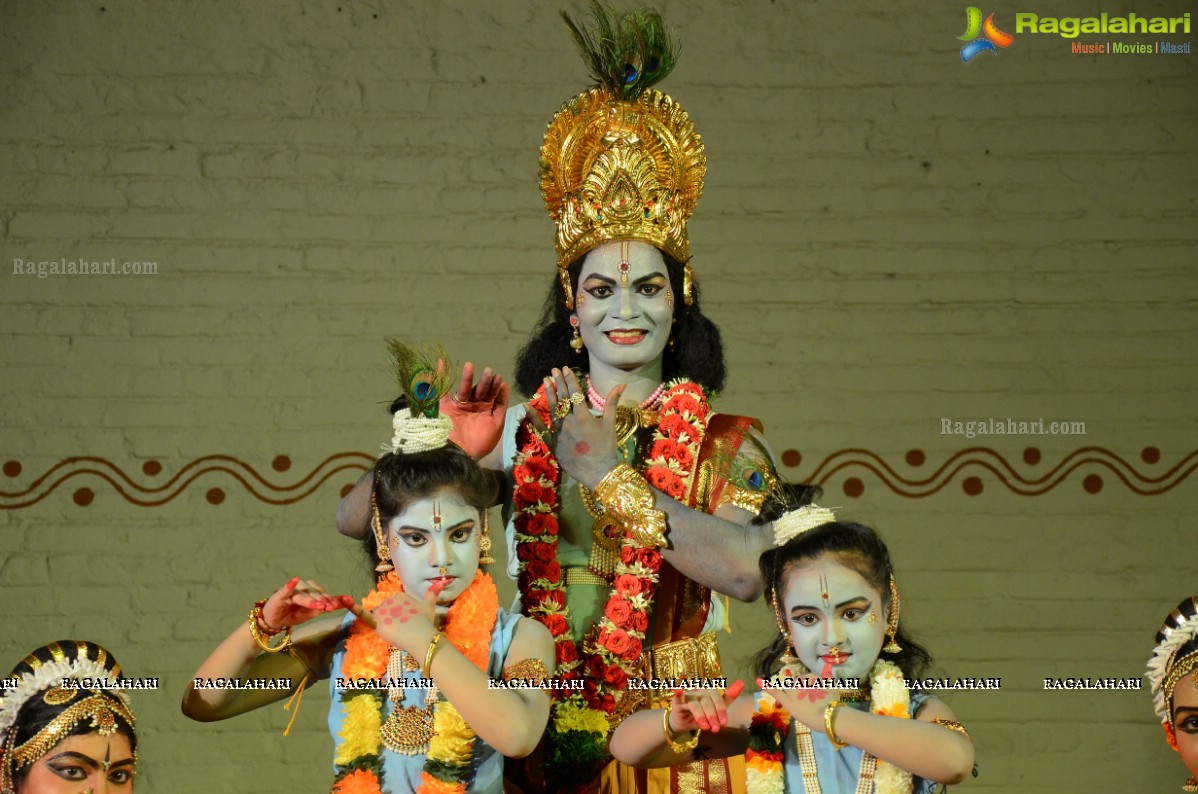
622	161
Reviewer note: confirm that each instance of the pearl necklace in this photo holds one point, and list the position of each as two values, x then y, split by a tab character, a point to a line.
599	403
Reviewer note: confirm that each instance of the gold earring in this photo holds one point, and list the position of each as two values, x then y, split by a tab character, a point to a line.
893	619
670	297
873	617
384	551
484	544
581	299
576	340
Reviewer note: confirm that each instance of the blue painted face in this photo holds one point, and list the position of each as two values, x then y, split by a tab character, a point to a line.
827	606
623	304
436	538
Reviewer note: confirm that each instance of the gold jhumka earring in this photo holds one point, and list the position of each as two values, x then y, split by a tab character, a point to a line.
384	551
484	543
893	619
576	339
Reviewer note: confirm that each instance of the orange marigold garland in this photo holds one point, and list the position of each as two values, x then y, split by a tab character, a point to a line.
469	626
577	745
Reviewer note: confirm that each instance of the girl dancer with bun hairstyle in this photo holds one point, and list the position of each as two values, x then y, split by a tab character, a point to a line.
834	713
412	705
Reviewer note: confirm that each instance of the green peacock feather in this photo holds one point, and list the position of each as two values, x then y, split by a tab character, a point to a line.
627	53
424	376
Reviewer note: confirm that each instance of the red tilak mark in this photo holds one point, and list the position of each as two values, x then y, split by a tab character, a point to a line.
582	447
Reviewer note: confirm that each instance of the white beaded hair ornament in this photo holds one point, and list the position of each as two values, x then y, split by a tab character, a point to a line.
795	522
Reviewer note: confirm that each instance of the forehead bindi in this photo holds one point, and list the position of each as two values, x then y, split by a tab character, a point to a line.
442	512
825	584
606	263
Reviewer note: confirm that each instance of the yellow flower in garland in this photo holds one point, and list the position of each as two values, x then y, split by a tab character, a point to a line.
360	733
452	741
576	716
469	626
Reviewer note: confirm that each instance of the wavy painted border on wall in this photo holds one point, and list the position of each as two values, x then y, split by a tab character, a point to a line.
973	468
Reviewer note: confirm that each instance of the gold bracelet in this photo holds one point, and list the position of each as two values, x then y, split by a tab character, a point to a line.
828	712
665	728
624	493
952	725
255	615
428	657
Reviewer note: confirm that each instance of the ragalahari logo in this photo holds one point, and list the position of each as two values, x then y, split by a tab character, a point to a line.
990	36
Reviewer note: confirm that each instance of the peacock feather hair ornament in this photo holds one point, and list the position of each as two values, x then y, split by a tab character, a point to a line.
622	161
424	376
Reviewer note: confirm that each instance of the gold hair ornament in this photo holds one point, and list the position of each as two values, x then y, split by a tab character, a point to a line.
99	708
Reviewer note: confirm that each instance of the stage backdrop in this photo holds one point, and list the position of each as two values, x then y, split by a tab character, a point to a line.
895	242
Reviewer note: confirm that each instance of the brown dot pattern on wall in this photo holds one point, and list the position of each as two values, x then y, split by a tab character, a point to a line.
963	466
83	497
345	489
215	496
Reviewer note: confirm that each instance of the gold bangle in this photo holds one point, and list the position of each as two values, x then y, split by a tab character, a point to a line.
952	725
428	657
255	616
665	728
828	712
624	493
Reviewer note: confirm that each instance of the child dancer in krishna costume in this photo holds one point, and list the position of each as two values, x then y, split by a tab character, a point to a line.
1173	675
857	729
412	707
56	739
631	498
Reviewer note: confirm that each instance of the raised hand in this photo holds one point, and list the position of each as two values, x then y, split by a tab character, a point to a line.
407	622
477	411
297	602
702	709
805	704
585	445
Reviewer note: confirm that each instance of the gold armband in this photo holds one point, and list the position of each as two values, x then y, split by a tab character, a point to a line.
952	725
625	494
526	670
